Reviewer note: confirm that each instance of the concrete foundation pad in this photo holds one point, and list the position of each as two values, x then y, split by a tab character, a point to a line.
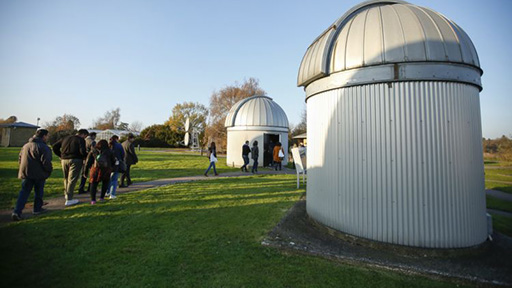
488	264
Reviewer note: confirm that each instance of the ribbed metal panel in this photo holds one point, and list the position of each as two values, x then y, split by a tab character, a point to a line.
386	32
237	137
257	111
400	164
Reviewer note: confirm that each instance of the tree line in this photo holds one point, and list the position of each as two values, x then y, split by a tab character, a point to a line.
209	121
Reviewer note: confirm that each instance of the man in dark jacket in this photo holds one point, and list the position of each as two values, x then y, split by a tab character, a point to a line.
245	155
90	142
130	158
72	153
35	167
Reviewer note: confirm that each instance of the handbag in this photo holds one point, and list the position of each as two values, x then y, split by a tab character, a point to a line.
122	166
281	154
213	158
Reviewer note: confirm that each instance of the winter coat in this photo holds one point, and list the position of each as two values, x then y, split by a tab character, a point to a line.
70	147
130	158
89	144
246	150
101	164
35	160
276	153
118	151
255	152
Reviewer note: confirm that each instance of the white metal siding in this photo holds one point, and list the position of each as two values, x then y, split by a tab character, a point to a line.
400	164
237	138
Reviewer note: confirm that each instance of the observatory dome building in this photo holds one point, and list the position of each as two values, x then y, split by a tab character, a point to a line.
257	118
394	128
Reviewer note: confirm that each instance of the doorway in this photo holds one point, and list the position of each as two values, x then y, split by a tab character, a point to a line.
269	142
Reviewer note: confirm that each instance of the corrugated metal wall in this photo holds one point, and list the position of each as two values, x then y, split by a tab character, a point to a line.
237	138
400	164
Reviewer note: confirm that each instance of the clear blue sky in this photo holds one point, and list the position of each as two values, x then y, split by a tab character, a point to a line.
87	57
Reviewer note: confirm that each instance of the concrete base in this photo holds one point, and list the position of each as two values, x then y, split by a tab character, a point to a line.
488	264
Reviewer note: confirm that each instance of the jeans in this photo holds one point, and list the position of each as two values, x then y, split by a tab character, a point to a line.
72	170
277	164
26	187
255	166
113	183
212	164
246	162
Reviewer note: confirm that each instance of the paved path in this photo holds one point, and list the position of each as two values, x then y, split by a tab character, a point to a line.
54	204
499	212
499	194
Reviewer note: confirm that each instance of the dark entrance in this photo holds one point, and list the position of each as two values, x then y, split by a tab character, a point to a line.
269	142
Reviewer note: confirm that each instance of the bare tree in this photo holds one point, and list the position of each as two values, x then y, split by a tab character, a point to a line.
136	126
62	126
11	119
110	120
220	104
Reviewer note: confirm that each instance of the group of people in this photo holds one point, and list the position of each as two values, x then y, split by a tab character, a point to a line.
81	159
277	156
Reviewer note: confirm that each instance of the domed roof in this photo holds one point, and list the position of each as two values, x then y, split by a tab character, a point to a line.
256	111
378	33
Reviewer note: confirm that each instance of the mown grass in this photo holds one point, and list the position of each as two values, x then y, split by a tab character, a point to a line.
502	224
499	204
498	175
153	164
198	234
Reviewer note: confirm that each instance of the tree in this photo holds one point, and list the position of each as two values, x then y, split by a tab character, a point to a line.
220	104
303	124
109	121
136	126
61	127
9	120
196	112
157	136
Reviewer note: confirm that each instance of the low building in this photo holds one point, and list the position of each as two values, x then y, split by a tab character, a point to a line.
16	134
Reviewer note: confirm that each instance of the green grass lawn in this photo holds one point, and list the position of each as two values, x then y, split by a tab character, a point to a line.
498	175
197	234
153	164
502	224
499	204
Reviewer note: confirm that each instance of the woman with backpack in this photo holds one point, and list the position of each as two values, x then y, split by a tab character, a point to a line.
212	154
100	160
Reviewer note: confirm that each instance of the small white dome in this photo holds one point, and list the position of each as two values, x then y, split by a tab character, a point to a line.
256	111
376	33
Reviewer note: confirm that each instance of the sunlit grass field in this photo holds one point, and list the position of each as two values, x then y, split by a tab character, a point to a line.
153	164
197	234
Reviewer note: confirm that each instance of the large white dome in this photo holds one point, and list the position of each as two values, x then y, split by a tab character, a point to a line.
377	33
256	111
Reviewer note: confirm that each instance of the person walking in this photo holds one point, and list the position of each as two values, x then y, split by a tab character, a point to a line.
90	142
72	152
271	147
278	156
118	151
245	155
212	155
130	158
100	162
255	153
35	161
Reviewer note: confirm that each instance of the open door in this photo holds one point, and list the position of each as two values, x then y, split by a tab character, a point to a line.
269	142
